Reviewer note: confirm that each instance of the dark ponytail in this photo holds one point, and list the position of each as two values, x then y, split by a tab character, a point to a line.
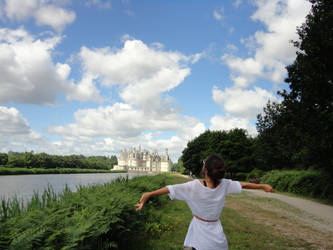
214	168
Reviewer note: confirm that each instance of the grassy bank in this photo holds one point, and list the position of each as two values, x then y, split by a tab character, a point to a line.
19	171
104	217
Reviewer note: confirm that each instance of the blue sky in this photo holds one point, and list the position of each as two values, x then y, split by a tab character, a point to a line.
93	77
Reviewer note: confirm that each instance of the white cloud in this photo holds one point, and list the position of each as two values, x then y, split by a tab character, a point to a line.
54	16
237	3
242	103
246	67
272	48
143	72
228	122
28	74
250	43
218	14
85	90
99	4
12	122
20	10
241	81
45	12
232	47
133	63
15	131
119	120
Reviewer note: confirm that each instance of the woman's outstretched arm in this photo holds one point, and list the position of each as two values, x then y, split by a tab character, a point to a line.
145	197
248	185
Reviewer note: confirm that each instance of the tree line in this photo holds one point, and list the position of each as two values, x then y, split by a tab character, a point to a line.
296	133
45	161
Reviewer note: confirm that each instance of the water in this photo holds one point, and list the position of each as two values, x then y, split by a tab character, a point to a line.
24	186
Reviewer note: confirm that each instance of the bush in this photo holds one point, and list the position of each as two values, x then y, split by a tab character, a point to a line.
304	182
255	175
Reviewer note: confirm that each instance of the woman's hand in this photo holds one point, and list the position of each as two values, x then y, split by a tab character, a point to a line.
144	198
268	188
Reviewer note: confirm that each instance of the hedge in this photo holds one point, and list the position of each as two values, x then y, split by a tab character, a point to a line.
304	182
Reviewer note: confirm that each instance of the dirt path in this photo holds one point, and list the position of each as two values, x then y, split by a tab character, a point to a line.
320	215
295	219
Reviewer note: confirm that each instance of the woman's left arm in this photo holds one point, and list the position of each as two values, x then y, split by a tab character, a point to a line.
248	185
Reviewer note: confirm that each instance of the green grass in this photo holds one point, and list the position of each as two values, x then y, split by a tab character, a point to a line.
104	217
21	171
241	231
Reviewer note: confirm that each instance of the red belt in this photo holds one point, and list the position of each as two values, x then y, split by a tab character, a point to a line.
204	219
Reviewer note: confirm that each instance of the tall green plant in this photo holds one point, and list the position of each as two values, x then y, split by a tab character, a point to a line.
95	217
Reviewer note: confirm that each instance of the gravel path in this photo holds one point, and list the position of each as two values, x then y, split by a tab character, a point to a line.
314	209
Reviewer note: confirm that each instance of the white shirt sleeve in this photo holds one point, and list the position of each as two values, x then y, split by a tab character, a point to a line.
180	191
233	187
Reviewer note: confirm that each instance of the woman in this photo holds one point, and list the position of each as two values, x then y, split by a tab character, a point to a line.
205	199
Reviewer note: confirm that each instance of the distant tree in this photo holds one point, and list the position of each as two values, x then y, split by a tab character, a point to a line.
3	158
274	146
178	166
195	153
113	161
234	146
44	160
16	159
29	159
99	162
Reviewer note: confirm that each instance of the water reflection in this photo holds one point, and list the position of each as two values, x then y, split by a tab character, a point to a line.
23	186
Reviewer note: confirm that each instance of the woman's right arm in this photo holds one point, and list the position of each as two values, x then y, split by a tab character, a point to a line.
248	185
145	197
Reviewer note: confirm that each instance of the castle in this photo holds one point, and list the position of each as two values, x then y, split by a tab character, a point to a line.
143	160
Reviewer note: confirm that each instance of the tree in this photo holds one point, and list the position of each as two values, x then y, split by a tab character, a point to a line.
300	129
16	159
113	161
234	146
3	158
275	146
43	160
29	159
178	166
195	152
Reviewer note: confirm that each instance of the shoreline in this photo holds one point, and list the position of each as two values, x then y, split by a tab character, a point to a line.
29	171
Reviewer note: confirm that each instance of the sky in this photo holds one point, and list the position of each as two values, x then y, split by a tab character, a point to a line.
93	77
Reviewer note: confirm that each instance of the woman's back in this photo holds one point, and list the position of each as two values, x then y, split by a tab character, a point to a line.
204	202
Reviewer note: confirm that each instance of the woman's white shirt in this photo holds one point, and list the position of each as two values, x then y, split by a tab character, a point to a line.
207	203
